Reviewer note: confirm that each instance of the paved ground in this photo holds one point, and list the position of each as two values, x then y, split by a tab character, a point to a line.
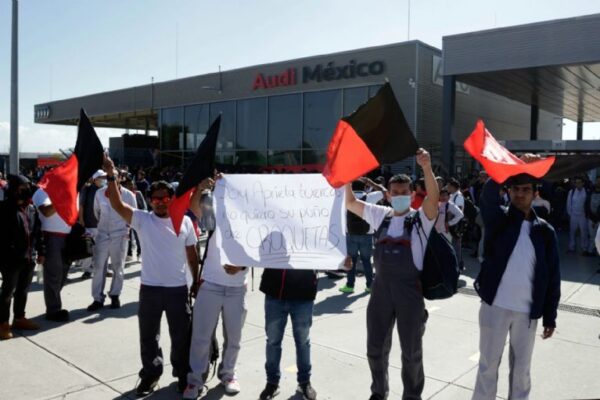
96	355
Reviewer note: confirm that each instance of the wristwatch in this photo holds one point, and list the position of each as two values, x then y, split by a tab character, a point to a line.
111	178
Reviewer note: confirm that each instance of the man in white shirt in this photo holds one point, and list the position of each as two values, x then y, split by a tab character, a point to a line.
163	277
448	215
458	199
56	265
111	240
222	293
397	298
519	283
578	220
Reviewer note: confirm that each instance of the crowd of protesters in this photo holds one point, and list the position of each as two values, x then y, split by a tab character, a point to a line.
126	209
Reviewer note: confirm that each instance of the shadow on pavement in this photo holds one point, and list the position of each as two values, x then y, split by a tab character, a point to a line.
336	304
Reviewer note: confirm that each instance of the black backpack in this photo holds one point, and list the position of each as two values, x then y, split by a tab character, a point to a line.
470	210
439	277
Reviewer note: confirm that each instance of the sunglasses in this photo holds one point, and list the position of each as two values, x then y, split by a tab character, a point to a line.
159	200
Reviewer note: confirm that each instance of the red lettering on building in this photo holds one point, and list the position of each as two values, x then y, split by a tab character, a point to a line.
286	78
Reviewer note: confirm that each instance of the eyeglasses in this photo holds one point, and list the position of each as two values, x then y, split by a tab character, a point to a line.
159	200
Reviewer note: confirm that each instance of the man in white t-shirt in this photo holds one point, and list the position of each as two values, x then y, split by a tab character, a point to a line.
448	215
458	199
518	284
396	297
56	266
221	293
163	277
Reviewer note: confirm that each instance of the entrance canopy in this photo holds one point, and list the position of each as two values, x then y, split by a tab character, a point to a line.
554	65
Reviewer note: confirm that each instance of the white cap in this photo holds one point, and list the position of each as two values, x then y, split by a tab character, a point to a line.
99	174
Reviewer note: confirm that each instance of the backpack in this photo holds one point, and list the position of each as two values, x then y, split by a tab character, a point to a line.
470	210
439	278
460	228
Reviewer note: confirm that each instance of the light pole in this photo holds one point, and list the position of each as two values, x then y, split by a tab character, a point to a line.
14	92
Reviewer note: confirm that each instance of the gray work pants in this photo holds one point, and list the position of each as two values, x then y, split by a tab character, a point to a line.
56	269
494	325
115	247
212	300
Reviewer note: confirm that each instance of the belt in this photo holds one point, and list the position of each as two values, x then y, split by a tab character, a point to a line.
55	234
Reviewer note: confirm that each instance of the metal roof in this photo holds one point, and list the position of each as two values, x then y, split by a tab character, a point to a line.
554	65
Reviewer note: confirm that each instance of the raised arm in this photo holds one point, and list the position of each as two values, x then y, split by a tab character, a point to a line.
353	205
430	204
195	206
123	209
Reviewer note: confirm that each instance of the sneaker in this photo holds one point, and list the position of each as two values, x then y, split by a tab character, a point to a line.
232	386
115	302
58	316
307	391
96	305
5	332
86	275
192	392
25	324
146	386
270	392
346	289
376	397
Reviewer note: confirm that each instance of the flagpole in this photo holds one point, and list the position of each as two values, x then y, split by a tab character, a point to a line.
14	92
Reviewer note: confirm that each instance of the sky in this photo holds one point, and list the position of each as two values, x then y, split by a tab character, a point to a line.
71	48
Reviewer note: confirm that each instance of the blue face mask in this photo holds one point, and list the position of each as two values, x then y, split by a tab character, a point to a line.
400	203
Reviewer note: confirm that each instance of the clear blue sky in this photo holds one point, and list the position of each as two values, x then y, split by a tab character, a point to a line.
75	47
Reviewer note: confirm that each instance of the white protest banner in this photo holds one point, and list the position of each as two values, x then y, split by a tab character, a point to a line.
280	221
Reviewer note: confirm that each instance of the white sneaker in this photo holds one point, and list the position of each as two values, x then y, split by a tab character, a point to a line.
232	386
192	392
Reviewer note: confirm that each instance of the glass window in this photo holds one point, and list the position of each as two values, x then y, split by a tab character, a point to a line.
251	158
226	141
322	111
196	125
353	98
285	157
373	90
224	160
252	124
171	129
285	122
314	156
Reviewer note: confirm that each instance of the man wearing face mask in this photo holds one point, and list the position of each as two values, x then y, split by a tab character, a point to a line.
111	240
396	296
87	218
20	234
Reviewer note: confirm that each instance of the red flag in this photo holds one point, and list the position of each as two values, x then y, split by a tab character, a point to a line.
201	167
64	182
498	162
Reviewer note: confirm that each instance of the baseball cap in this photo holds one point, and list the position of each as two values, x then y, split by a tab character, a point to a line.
99	174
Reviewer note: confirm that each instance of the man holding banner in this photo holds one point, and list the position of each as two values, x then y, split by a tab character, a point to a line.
397	296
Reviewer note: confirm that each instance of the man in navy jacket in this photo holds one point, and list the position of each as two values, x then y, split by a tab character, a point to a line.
519	283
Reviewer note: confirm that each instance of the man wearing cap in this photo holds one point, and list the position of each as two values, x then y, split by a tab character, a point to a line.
20	234
111	240
87	218
519	283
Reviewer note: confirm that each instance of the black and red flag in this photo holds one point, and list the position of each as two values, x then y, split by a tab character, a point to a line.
64	182
201	167
376	133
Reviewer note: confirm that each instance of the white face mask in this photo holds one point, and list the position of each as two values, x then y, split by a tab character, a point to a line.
401	203
102	183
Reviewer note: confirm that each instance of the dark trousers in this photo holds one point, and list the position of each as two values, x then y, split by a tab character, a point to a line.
15	285
174	302
394	303
133	235
56	269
